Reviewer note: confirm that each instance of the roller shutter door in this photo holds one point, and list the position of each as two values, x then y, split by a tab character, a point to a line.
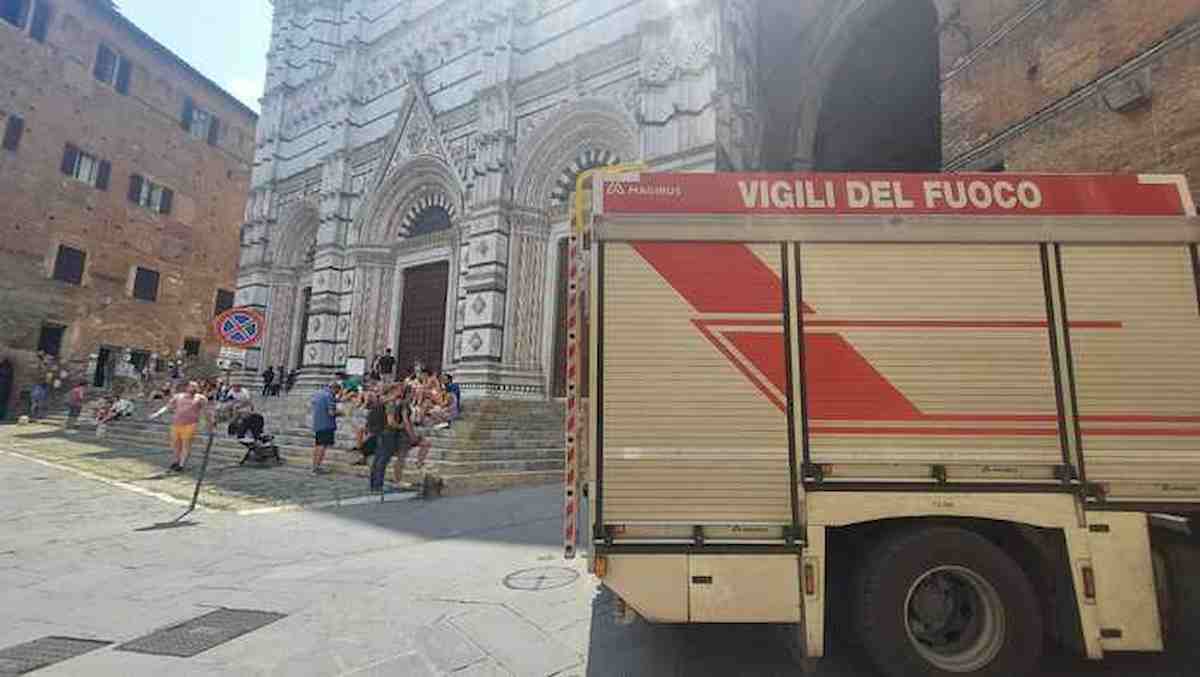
919	355
1135	344
693	423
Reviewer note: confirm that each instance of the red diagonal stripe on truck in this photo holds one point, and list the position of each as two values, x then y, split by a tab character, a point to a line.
716	277
842	385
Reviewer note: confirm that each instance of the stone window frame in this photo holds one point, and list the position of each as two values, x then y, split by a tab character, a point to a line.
200	123
56	261
62	336
116	71
141	291
150	195
219	304
86	167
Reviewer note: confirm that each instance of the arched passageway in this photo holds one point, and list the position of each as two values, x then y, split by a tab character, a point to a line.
882	106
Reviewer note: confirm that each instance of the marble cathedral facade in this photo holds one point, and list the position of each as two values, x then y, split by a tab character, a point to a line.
415	160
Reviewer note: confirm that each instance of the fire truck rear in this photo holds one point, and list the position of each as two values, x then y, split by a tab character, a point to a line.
949	415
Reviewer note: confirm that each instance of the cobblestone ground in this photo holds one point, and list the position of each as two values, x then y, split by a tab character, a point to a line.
470	587
227	486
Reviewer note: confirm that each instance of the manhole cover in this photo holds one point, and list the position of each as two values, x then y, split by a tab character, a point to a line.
201	634
30	656
541	578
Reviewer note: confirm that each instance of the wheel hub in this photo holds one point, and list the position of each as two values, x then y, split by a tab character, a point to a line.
955	619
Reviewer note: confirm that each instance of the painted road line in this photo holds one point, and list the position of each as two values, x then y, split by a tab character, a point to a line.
166	498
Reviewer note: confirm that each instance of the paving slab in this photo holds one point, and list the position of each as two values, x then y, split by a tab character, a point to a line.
394	589
514	642
447	647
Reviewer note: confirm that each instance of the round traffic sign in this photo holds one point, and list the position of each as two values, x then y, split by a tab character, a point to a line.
240	327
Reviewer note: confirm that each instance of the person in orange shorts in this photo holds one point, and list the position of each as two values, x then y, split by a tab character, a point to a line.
188	407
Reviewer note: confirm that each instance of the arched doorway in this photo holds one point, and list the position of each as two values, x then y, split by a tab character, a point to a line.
421	334
882	105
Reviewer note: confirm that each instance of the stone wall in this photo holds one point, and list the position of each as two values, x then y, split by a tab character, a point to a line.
194	248
1075	85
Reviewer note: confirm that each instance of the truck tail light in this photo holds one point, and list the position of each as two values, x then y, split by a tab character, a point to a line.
810	579
1089	582
600	567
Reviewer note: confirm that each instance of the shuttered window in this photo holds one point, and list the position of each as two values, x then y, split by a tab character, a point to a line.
68	265
86	167
145	284
145	193
113	69
200	123
224	301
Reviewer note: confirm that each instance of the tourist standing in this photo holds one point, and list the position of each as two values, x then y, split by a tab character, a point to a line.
398	438
278	384
188	406
75	400
324	423
268	378
37	400
386	365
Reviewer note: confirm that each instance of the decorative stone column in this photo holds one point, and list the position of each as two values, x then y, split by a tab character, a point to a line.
326	347
372	304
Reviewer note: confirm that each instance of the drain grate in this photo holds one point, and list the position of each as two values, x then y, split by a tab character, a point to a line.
30	656
201	634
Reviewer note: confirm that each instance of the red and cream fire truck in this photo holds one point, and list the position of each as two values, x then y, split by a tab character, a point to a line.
947	413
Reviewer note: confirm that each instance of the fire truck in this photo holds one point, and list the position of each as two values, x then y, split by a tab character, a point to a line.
947	415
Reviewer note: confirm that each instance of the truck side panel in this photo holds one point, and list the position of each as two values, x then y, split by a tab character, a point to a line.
918	355
693	419
1135	348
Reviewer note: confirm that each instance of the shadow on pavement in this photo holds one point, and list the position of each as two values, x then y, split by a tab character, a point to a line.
646	650
529	516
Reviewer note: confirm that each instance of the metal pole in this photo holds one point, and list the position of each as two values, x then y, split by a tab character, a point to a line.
200	477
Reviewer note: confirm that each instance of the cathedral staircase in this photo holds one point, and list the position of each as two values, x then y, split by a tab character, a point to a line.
496	444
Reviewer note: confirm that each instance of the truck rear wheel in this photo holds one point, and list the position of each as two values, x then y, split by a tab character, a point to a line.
946	601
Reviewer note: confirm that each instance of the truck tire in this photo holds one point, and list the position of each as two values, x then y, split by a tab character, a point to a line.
945	601
1176	564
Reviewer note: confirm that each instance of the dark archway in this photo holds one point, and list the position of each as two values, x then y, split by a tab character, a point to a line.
430	219
882	107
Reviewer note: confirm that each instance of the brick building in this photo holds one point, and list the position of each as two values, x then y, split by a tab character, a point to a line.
416	157
123	176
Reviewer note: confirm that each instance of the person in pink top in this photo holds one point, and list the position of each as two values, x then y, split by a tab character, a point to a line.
188	407
75	404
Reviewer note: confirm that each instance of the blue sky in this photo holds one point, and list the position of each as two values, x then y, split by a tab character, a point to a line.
226	40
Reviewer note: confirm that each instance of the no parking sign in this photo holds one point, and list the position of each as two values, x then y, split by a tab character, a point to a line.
240	327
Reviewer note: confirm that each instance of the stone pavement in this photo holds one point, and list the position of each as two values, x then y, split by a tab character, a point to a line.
227	486
469	586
